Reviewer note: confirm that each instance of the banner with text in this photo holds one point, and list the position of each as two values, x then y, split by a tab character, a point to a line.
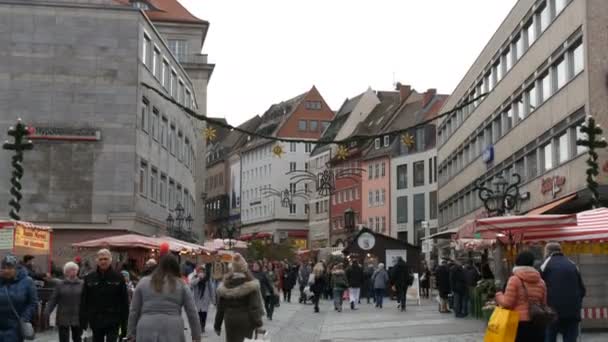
34	239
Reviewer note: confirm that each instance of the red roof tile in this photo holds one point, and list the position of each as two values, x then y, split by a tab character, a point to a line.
167	10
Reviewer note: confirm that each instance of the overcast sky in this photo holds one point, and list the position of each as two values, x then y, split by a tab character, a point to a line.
266	51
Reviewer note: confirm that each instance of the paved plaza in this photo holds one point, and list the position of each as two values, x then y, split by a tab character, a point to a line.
297	323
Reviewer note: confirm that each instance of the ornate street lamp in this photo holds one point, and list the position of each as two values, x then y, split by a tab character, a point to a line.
503	198
175	226
229	232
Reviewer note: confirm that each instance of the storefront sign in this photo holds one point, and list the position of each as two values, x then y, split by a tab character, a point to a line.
366	241
552	185
6	238
64	134
36	239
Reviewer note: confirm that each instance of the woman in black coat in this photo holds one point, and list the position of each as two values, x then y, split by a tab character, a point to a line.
318	286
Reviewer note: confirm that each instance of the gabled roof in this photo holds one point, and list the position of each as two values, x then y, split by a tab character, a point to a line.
166	10
380	115
236	139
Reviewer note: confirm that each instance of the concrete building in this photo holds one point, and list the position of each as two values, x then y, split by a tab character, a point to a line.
263	216
111	156
544	70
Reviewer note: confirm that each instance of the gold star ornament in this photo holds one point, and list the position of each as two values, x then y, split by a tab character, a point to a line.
407	140
278	151
210	133
342	152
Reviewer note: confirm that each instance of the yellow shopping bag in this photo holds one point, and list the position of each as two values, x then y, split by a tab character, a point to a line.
502	326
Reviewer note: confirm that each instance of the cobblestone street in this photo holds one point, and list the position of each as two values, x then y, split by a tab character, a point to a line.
297	323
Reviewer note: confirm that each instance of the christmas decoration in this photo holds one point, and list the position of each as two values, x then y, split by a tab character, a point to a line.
593	140
408	140
210	133
18	132
278	151
342	152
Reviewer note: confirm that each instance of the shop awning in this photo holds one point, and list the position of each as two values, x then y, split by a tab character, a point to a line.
222	244
446	234
545	208
11	224
298	234
140	241
255	236
591	225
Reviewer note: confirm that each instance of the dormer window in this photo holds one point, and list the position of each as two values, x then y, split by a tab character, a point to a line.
140	4
377	143
386	141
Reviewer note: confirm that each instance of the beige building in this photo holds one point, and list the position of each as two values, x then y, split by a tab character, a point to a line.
544	70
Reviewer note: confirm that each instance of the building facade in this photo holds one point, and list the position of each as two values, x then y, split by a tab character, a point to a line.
111	156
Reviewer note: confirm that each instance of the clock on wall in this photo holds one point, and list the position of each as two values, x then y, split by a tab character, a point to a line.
366	241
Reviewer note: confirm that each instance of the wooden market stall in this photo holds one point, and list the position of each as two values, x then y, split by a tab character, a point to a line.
23	238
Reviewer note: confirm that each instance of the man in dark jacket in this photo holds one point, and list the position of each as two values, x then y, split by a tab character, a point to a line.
565	292
442	276
354	275
104	304
459	288
400	279
471	276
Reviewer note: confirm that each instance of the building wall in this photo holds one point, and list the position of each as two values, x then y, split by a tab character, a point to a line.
376	212
319	220
340	202
364	106
290	127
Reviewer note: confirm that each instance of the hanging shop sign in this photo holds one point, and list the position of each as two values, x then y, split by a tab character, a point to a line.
64	134
366	241
6	238
552	185
31	238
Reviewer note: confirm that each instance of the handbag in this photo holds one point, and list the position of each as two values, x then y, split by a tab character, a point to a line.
540	314
27	330
502	326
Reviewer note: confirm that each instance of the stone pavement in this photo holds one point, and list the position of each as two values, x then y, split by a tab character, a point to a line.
297	323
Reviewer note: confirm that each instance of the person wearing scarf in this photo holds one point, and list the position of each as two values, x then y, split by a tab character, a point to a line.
203	289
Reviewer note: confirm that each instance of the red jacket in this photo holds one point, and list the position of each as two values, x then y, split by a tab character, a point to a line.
514	297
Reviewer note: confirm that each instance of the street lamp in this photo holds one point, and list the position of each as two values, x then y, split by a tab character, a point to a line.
175	226
229	232
503	198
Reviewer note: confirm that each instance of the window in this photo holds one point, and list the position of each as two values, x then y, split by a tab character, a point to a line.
433	205
292	147
577	59
370	199
143	177
377	168
171	195
156	63
305	166
145	50
377	224
292	188
563	148
545	84
292	209
386	141
307	147
545	18
498	71
518	47
172	84
313	105
162	190
179	48
508	119
519	108
508	61
560	5
172	139
420	141
377	143
371	223
370	171
347	196
314	125
163	131
165	74
547	157
292	166
302	125
153	184
435	169
154	125
531	100
324	125
580	136
143	119
431	170
497	126
519	168
530	30
419	173
382	169
419	208
383	223
561	74
377	202
180	92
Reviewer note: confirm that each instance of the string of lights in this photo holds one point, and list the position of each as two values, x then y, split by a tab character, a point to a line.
357	138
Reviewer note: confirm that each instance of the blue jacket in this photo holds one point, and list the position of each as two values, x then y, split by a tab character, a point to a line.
565	288
24	297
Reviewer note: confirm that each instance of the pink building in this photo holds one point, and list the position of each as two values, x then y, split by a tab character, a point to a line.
375	188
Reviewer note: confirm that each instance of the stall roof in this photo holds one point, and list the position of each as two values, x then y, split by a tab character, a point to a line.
140	241
591	225
10	223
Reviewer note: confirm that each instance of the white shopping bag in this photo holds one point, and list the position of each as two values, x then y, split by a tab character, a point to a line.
259	336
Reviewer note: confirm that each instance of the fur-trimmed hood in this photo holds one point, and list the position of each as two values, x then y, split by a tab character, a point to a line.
237	287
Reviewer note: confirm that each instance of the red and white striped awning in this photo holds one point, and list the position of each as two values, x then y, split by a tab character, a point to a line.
591	225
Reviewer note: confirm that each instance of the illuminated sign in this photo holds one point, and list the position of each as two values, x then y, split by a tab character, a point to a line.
32	238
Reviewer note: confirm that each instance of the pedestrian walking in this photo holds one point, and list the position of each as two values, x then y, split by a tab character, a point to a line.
266	287
18	299
290	276
471	276
318	284
442	276
156	309
380	279
565	292
28	263
239	305
339	284
459	288
354	275
66	297
425	282
303	275
524	287
274	277
203	290
104	303
367	290
401	280
130	286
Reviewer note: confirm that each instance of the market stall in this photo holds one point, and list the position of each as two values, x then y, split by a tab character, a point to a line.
23	238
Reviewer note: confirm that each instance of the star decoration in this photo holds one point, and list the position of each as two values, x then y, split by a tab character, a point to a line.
210	133
278	151
342	152
407	140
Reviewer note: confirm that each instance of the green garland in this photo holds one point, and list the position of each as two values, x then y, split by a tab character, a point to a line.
593	141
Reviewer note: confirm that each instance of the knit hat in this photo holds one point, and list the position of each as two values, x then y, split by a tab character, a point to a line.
125	274
9	260
239	265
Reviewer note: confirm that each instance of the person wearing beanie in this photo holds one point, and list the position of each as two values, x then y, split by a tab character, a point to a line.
380	280
239	303
525	286
18	292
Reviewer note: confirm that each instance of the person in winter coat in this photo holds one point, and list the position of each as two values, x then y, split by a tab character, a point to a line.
156	309
318	285
203	290
66	297
401	281
354	275
239	304
339	283
442	276
460	291
290	276
104	303
266	286
565	292
379	281
425	282
367	290
149	267
523	287
17	290
303	275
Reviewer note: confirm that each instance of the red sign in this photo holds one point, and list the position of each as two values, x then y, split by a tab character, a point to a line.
552	185
64	134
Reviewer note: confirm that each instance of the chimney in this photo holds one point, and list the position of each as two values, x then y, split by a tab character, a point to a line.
428	96
404	91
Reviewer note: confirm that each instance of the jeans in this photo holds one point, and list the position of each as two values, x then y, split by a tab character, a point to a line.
338	298
269	305
202	316
461	304
402	297
64	333
107	334
353	294
302	294
287	295
567	327
378	297
527	332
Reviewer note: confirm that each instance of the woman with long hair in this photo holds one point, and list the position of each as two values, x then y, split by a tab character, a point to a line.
266	286
203	288
157	304
318	284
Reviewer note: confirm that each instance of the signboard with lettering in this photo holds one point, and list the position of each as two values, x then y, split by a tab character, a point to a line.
35	239
64	133
552	185
6	238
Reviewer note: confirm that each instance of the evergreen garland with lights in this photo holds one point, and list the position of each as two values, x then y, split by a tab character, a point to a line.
18	132
593	141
